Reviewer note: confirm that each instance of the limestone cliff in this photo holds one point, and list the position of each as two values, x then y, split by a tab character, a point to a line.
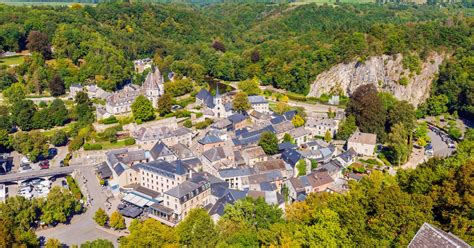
382	71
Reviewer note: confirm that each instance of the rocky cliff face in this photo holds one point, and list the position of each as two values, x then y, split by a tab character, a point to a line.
382	71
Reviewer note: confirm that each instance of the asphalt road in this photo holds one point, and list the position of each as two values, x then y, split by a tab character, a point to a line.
82	227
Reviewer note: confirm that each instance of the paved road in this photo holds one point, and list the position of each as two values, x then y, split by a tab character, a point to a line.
316	107
41	173
440	148
82	227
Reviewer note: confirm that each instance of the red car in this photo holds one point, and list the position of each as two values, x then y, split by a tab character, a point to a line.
44	164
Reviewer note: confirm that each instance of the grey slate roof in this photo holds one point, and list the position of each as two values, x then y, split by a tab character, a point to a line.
209	139
255	99
236	172
237	117
291	156
229	196
286	145
160	150
429	236
205	96
190	188
164	167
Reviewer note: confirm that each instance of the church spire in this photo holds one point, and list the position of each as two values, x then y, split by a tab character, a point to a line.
217	90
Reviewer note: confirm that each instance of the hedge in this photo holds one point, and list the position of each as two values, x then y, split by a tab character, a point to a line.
74	187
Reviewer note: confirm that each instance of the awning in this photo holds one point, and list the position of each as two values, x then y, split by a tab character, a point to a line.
137	200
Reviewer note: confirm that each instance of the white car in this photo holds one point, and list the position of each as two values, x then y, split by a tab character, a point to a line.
27	195
24	190
25	160
46	184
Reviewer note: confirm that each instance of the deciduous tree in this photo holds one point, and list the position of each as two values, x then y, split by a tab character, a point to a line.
101	217
39	42
297	121
117	221
269	143
366	105
240	103
142	109
165	103
56	86
197	230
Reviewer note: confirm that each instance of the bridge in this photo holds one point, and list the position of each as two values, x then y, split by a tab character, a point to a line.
41	173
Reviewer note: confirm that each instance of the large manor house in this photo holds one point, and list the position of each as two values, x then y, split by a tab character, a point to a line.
120	102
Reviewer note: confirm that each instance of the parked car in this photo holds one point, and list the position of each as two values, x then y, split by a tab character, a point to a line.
52	152
25	168
429	149
44	164
176	107
64	184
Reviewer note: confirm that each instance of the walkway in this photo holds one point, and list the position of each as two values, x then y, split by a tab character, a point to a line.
82	227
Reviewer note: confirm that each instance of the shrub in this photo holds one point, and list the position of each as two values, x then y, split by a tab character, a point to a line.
76	143
129	141
203	124
188	124
403	81
111	120
59	138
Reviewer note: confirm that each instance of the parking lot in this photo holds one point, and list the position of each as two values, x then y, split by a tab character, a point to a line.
22	164
34	188
442	144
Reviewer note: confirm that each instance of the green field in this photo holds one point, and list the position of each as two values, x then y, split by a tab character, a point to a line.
14	60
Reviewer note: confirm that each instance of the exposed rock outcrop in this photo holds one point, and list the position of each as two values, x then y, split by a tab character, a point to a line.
382	71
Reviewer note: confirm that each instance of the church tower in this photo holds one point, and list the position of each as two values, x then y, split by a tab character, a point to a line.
218	97
219	108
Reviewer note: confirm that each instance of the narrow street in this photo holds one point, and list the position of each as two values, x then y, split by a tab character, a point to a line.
82	227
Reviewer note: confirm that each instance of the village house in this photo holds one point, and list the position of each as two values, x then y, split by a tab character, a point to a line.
123	164
209	142
182	152
362	143
267	181
317	181
319	128
160	151
259	103
239	121
300	135
237	178
217	158
432	236
141	65
282	128
274	165
253	155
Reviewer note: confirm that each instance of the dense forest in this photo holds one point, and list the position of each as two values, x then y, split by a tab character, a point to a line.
282	45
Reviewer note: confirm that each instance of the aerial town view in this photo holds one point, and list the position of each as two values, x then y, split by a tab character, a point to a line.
211	123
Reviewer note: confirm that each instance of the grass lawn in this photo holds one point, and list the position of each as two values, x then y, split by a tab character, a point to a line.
107	145
14	60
